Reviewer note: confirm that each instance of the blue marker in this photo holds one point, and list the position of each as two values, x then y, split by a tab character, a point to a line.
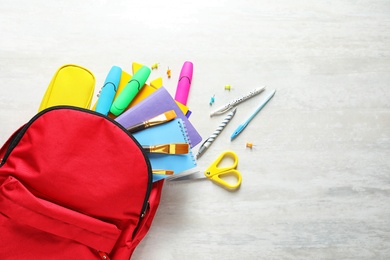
241	127
108	91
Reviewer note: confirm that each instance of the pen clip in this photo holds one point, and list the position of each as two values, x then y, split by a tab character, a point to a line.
222	110
205	141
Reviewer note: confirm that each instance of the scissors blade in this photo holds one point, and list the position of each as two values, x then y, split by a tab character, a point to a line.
188	176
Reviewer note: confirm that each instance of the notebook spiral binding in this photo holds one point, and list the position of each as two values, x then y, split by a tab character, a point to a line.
183	128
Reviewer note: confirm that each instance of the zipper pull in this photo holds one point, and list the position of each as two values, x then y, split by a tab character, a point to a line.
146	210
103	255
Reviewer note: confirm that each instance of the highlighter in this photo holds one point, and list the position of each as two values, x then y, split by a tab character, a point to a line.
183	86
108	91
130	90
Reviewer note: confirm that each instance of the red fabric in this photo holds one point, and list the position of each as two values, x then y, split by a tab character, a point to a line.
146	222
74	185
3	149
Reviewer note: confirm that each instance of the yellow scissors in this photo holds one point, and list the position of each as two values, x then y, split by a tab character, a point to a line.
216	173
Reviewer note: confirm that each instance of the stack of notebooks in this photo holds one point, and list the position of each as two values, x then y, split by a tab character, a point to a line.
179	130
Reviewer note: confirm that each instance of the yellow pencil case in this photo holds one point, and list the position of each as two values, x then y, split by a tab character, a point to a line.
71	85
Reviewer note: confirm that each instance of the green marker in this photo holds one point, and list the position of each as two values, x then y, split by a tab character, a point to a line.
130	91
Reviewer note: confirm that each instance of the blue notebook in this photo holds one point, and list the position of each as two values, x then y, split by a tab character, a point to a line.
174	131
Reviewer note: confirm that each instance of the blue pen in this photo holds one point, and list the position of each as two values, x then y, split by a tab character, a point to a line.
241	127
108	91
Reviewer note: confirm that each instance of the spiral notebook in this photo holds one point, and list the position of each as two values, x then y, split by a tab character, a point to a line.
160	101
174	131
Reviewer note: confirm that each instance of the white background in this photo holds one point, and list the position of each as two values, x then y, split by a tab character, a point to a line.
316	184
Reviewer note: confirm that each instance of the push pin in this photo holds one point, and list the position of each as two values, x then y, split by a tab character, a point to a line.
154	66
249	145
228	87
169	73
212	99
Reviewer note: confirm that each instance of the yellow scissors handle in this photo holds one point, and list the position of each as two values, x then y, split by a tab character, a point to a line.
214	172
217	179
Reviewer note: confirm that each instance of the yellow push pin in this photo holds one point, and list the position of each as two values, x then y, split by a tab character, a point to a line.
154	66
249	145
228	87
169	73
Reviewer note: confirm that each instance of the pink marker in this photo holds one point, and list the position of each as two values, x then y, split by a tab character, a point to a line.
183	86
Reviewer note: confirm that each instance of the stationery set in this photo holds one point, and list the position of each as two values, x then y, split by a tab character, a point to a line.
178	130
158	120
88	179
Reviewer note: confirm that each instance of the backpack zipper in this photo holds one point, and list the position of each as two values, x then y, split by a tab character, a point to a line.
103	255
19	135
14	141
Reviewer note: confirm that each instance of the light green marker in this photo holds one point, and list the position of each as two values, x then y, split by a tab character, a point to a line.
130	91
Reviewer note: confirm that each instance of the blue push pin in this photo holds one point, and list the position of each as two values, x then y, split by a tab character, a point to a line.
212	99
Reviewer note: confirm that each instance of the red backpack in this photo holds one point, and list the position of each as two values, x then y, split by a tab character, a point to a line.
74	184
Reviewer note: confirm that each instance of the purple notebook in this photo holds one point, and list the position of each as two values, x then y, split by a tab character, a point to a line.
160	101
